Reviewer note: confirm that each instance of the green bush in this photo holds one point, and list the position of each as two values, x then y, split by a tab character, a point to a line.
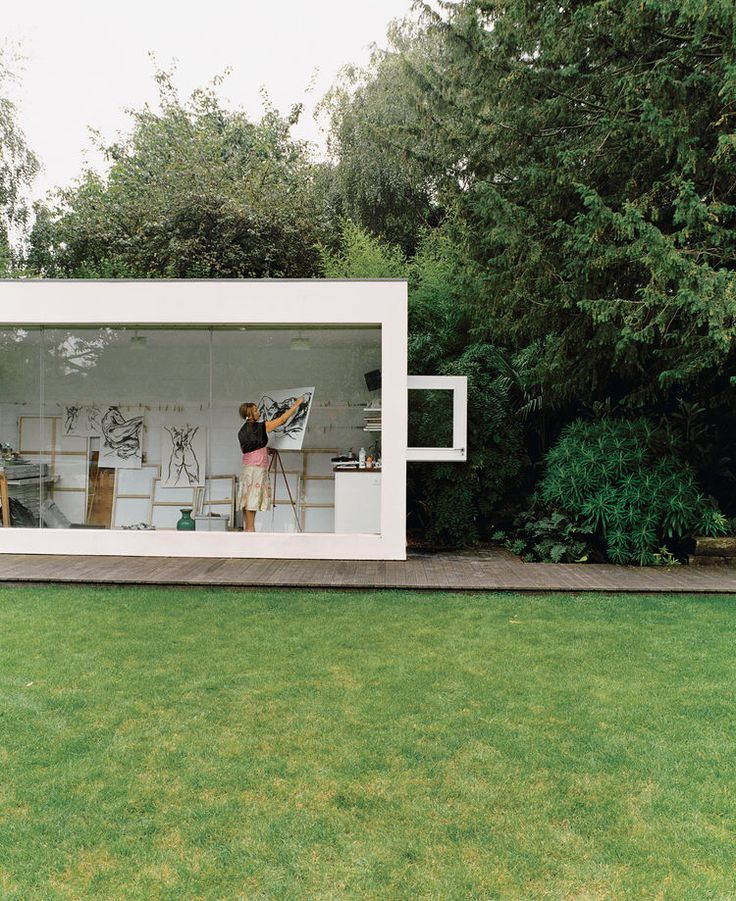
628	482
448	504
549	536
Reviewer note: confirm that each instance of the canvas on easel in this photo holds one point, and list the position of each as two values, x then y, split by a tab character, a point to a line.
274	403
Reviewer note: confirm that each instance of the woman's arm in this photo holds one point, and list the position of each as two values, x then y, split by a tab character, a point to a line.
280	420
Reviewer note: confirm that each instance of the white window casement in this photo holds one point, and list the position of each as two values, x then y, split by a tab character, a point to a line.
458	385
161	349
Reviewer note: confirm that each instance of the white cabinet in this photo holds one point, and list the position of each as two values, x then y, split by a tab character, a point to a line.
358	501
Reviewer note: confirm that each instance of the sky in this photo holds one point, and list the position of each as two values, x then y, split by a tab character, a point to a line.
84	62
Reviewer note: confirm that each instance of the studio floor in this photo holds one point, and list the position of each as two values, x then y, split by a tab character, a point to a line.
492	569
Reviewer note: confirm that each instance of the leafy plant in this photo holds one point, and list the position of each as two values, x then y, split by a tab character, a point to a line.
629	483
550	536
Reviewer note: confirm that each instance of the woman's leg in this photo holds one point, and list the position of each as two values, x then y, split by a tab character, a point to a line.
250	520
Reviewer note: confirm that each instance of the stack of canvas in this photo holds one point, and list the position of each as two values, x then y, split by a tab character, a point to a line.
372	417
15	471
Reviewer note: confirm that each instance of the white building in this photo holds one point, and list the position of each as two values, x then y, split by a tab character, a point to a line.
98	378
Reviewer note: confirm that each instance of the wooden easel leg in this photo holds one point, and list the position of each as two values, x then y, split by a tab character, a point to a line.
280	463
5	502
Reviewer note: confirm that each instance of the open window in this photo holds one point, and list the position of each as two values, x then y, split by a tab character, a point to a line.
452	427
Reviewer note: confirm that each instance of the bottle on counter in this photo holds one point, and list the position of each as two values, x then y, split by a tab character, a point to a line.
361	458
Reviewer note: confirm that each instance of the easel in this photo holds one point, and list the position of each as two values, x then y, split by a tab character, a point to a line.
4	501
276	462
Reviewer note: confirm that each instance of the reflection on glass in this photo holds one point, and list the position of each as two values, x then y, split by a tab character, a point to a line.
20	351
274	367
125	428
430	418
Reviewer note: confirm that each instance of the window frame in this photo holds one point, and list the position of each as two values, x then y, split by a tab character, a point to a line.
458	385
235	303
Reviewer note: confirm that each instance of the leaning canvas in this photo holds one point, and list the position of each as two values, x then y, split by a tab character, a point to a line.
183	450
121	440
290	435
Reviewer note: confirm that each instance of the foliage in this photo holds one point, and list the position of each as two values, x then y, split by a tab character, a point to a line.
589	150
377	182
708	440
549	536
18	167
448	503
628	481
193	191
361	255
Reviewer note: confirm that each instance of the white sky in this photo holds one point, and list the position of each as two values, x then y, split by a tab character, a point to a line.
86	61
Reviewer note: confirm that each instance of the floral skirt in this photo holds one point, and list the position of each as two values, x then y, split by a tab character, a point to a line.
254	490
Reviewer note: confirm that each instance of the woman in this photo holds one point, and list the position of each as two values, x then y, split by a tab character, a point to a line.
254	492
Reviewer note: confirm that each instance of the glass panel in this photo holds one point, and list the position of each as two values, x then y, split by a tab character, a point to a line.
126	427
20	381
271	367
124	410
430	418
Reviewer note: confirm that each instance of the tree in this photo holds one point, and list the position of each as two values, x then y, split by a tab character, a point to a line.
193	191
448	504
379	182
597	162
18	168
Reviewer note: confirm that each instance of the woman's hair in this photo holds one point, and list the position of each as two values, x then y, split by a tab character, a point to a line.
249	412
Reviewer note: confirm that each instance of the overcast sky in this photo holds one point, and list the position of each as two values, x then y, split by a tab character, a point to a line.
86	61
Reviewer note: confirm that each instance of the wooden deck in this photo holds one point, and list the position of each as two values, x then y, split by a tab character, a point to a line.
487	570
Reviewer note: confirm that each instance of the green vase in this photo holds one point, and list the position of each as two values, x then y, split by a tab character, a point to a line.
186	523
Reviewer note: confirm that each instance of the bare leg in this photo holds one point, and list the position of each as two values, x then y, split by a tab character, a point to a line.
250	520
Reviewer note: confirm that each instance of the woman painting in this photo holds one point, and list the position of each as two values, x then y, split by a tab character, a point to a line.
254	492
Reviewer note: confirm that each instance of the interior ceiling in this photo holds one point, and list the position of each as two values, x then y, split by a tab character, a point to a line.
225	338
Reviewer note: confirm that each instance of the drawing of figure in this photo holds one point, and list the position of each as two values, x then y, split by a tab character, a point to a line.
92	415
122	436
272	409
82	420
183	460
71	417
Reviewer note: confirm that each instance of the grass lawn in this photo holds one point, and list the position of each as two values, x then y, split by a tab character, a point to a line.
157	743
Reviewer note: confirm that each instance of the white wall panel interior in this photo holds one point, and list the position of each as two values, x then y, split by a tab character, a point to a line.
319	491
130	511
319	519
73	504
136	481
165	517
279	519
283	483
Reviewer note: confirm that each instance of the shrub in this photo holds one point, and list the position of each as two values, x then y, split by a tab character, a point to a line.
550	536
628	482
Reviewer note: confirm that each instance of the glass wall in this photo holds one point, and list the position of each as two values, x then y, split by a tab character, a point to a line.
20	400
123	428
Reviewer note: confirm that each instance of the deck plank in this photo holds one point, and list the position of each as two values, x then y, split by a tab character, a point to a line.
486	570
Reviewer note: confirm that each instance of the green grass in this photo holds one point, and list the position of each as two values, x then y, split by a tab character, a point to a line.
174	744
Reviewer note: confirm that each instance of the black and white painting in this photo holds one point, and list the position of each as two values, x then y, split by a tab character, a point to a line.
290	435
81	420
183	449
121	440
